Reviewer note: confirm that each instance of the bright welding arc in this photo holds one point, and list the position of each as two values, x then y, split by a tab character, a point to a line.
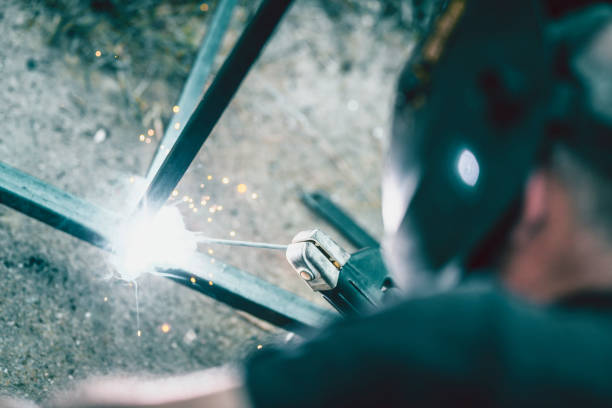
146	243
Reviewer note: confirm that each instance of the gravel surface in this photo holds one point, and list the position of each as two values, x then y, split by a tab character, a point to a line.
312	114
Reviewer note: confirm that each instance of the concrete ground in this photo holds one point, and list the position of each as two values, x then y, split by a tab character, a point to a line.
312	114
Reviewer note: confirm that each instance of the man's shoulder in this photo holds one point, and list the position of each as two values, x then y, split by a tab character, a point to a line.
476	315
472	296
470	342
459	305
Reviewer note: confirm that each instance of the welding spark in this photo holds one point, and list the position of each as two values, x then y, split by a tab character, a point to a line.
145	243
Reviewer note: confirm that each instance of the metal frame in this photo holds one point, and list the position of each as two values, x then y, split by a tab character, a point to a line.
95	225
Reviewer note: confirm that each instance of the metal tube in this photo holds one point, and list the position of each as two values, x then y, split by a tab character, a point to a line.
196	81
212	105
322	205
56	208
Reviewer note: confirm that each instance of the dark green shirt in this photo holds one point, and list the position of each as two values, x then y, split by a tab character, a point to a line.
463	348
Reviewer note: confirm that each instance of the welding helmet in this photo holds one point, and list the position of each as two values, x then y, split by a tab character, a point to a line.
473	116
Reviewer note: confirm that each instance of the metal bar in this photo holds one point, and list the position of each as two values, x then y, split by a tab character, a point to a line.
253	295
196	81
56	208
321	204
95	225
210	108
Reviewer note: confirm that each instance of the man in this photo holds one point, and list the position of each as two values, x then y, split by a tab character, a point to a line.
499	160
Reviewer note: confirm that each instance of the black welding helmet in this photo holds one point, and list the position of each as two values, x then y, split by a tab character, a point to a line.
470	122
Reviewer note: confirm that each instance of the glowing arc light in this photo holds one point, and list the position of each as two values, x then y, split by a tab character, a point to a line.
145	243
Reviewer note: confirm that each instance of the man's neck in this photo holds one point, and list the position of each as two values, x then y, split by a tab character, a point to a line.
585	265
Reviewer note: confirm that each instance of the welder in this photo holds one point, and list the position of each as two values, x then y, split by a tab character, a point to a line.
497	204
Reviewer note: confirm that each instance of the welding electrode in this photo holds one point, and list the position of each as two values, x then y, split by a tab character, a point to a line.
231	242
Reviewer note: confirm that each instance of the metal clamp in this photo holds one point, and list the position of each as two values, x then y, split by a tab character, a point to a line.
317	259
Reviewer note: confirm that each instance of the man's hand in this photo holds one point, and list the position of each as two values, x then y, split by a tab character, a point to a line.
6	402
219	387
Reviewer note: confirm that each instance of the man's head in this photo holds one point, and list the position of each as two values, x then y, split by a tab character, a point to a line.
488	150
561	241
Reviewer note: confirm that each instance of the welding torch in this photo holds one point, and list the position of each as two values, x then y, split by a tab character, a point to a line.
356	283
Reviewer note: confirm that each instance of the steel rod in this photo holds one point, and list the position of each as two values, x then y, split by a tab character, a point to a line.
231	242
322	205
212	105
56	208
196	81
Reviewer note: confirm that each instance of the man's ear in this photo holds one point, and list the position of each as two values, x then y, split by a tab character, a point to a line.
535	208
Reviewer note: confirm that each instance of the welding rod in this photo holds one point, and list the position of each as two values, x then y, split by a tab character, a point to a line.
231	242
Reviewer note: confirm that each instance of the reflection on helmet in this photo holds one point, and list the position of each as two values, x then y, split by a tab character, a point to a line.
468	168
